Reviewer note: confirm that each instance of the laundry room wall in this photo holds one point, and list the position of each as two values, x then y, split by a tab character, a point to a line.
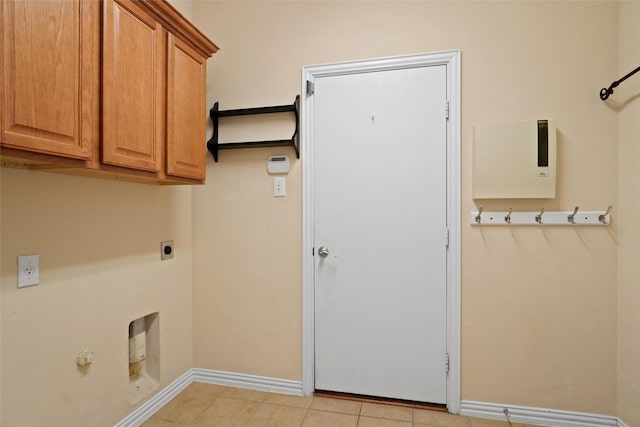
626	102
538	303
100	268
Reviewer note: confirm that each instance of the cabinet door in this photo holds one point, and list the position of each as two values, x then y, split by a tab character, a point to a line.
186	111
133	97
50	76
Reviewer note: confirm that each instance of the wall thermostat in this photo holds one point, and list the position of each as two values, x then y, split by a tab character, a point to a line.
278	164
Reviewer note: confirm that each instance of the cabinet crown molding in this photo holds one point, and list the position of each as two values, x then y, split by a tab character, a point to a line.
173	20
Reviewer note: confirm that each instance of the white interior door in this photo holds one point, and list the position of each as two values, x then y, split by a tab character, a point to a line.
380	177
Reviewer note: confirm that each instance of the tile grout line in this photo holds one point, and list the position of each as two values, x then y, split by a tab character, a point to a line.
305	414
227	394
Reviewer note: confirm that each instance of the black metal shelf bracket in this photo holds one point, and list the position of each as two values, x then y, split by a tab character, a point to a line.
214	147
605	92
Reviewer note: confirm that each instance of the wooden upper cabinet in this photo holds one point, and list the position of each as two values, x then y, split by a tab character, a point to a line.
50	71
154	89
186	93
133	76
110	88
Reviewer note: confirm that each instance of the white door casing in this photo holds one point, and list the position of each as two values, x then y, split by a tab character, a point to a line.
451	62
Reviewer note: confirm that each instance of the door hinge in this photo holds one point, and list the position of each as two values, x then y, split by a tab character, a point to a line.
310	87
446	237
446	362
446	109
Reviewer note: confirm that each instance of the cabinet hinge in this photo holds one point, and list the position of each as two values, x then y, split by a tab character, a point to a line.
446	362
446	237
446	109
310	87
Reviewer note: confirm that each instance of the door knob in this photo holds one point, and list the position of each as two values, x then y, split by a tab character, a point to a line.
323	251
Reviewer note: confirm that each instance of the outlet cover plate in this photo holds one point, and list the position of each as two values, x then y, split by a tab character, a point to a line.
166	250
28	270
279	186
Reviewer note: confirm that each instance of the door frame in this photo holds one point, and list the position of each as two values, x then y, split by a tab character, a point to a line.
451	59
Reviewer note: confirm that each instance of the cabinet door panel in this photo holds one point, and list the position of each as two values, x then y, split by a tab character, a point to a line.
186	111
133	89
51	73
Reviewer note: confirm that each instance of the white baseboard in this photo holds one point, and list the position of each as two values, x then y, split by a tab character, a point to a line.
520	414
253	382
149	408
537	416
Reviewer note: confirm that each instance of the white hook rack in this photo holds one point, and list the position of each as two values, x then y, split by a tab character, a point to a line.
541	217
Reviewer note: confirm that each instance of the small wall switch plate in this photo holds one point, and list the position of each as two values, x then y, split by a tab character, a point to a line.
28	270
279	186
166	250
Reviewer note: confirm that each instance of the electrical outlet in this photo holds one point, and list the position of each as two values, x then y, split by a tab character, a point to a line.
28	270
166	250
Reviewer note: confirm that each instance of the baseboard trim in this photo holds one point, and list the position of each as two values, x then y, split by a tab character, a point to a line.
149	408
521	414
253	382
537	416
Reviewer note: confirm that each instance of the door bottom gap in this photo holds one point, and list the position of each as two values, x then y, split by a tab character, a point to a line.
381	400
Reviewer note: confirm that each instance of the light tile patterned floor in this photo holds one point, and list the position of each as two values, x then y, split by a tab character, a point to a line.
209	405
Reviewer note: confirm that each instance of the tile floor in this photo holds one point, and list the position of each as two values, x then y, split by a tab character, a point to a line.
209	405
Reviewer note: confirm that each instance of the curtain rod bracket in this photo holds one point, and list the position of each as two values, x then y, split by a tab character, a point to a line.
605	92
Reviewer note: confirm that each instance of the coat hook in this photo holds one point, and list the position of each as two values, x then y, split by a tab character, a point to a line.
602	218
507	218
478	216
571	218
539	216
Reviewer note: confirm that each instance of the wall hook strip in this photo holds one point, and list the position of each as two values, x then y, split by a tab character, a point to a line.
541	218
603	218
605	92
478	216
572	218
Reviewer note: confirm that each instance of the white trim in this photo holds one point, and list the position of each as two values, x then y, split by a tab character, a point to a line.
232	379
308	319
253	382
621	423
454	222
452	60
537	416
521	414
145	411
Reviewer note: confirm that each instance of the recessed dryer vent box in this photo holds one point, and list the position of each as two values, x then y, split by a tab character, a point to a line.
514	160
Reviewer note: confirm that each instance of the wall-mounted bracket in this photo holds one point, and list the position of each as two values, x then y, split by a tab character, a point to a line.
214	147
605	92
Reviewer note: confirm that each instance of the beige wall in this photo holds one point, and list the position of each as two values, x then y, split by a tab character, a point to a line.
626	100
100	268
538	305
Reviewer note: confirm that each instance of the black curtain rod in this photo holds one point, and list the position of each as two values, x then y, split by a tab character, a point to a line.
604	93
